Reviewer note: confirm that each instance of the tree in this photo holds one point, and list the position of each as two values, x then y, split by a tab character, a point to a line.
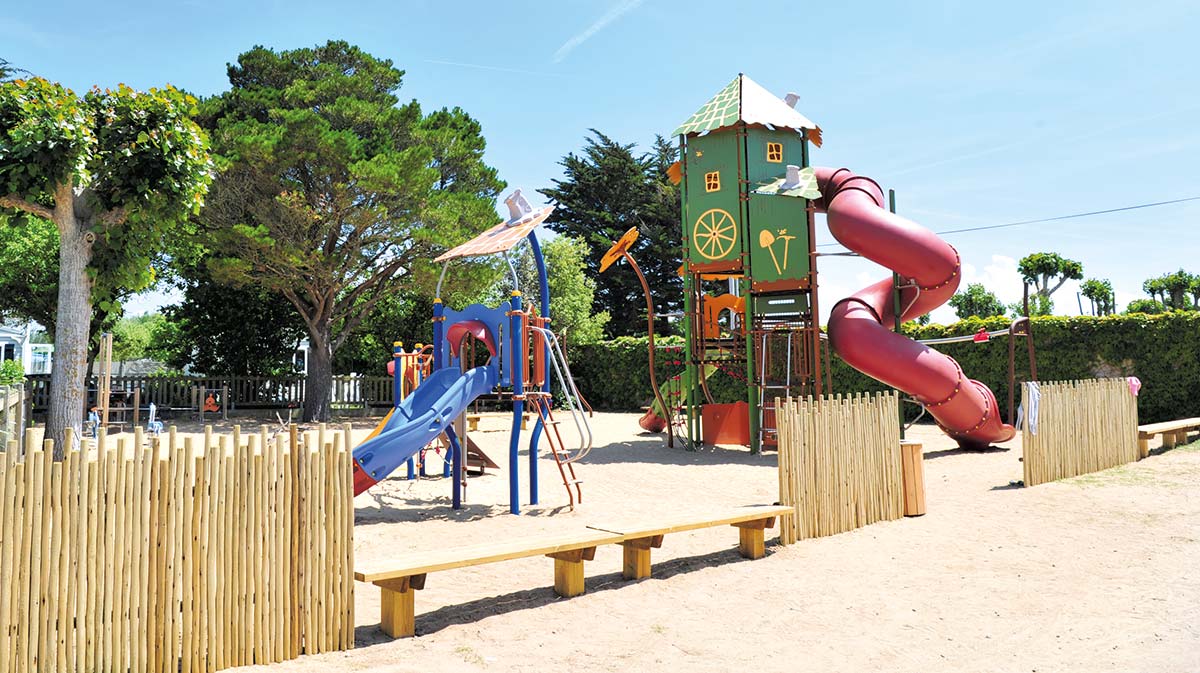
115	171
331	190
133	337
8	71
1100	294
1150	306
1154	287
217	328
978	301
1040	270
1177	291
29	271
607	189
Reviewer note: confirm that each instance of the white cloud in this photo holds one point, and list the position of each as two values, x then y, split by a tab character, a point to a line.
615	12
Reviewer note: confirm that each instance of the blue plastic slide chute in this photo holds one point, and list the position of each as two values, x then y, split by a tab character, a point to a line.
419	419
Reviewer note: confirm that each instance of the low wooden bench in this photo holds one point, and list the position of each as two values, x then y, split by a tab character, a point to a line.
398	580
1173	432
639	536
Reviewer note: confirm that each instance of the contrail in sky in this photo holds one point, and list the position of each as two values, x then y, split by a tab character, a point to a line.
617	11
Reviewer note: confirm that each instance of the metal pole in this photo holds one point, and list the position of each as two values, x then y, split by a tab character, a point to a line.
650	345
896	302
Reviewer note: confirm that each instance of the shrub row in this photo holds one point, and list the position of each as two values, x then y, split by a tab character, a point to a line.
1161	350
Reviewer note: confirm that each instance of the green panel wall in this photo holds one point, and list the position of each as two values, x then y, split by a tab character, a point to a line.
774	253
713	152
761	170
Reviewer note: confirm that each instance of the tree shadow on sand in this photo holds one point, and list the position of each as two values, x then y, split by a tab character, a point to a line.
473	611
653	449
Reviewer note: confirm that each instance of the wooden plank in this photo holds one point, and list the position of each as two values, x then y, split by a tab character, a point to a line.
1149	430
683	523
446	559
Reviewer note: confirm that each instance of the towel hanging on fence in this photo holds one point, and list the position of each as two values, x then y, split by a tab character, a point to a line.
1030	417
1135	384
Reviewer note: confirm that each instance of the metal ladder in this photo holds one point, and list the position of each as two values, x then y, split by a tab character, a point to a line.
564	458
770	436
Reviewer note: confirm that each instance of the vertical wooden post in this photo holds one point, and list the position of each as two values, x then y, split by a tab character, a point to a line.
914	477
568	571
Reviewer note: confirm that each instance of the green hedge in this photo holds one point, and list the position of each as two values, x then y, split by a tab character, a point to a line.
1161	350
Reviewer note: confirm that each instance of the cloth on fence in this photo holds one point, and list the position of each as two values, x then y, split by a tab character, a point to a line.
1135	385
1030	416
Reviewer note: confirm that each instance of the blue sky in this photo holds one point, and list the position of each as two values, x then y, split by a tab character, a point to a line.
976	113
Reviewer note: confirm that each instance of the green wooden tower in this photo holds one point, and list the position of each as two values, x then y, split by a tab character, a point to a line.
749	263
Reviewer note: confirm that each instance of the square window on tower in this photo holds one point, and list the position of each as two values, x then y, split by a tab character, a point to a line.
775	152
712	182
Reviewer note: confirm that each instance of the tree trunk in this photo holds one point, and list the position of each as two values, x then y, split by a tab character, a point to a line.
68	377
318	384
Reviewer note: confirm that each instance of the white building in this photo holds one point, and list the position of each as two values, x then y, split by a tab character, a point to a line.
16	343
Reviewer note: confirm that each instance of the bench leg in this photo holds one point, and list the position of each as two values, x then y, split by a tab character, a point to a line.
568	571
1143	448
397	606
1168	440
752	538
637	556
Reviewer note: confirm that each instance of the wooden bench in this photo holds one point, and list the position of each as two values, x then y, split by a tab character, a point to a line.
639	537
1173	432
398	580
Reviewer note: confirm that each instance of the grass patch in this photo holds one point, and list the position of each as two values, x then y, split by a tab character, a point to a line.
468	654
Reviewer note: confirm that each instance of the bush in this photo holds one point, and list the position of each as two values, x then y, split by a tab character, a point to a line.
1161	350
11	373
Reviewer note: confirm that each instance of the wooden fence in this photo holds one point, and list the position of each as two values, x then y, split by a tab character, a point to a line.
839	464
169	555
245	392
1082	426
12	413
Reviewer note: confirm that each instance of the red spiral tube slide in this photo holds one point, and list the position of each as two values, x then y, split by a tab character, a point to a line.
964	408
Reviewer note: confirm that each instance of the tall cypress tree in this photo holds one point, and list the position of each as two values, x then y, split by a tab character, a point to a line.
606	189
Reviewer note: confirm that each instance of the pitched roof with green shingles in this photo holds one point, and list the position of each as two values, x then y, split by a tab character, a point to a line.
806	187
743	99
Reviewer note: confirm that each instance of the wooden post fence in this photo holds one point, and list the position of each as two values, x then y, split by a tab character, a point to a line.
165	556
1081	426
839	464
12	414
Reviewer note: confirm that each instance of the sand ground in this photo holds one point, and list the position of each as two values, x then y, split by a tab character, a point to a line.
1096	573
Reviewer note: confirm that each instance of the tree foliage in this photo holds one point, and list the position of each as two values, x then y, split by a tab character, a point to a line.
1100	293
134	337
115	170
1178	290
1147	306
29	271
976	301
217	328
1047	271
331	189
606	189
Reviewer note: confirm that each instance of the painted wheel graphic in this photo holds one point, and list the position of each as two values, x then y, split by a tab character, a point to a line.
715	233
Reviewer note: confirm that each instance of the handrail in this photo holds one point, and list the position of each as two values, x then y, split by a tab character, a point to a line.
558	361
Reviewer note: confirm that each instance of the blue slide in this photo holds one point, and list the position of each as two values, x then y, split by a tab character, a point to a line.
419	419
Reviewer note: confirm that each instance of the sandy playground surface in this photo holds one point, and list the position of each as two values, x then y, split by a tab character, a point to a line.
1096	573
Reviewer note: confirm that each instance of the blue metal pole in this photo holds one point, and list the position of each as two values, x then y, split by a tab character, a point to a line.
518	384
456	459
539	261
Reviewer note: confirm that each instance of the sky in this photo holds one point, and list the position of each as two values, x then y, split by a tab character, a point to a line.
975	113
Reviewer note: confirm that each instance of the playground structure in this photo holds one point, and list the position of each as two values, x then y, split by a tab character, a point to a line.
523	354
749	196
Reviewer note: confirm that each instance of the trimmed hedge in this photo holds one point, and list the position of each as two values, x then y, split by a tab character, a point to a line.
1161	350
